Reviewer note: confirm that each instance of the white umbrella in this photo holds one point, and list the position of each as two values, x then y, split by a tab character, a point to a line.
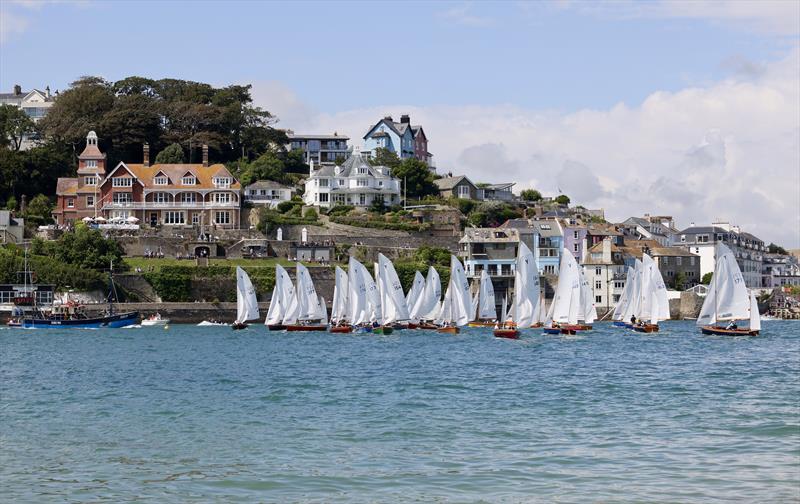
100	219
87	219
132	219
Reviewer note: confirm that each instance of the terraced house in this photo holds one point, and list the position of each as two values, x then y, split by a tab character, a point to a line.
197	194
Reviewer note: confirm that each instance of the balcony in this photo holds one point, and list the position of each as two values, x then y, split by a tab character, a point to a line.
168	205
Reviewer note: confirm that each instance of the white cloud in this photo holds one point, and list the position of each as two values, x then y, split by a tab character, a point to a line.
15	14
463	15
728	150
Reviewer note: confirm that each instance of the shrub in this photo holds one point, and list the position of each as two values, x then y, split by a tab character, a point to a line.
340	210
285	206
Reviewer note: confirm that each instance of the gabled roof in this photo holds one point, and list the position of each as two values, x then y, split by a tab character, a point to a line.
447	183
498	187
91	151
599	229
398	128
204	175
267	184
417	130
350	168
704	229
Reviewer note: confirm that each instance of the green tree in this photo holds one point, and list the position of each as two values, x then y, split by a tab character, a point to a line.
562	199
679	282
492	214
38	211
294	162
87	248
531	195
267	167
432	256
78	110
416	177
173	154
384	157
14	126
776	249
11	203
707	278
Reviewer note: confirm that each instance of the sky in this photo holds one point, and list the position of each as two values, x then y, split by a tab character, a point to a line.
689	109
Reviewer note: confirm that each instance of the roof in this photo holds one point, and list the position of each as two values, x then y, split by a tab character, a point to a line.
91	151
545	229
598	248
266	184
175	172
398	127
490	235
379	134
655	249
499	187
66	186
350	166
447	183
600	229
704	229
293	136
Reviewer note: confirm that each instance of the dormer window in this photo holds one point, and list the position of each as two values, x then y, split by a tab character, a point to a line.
362	170
222	182
160	179
188	180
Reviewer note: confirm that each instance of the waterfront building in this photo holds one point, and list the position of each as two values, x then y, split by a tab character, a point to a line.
597	232
495	251
355	183
674	263
267	193
319	149
402	138
780	270
748	249
574	232
34	103
177	195
544	238
606	273
660	228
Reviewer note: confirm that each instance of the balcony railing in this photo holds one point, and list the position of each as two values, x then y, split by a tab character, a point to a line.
151	205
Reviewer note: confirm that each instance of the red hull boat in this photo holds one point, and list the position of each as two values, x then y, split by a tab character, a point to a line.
306	328
506	333
342	329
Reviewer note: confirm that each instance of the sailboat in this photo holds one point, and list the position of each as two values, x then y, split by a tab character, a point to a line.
414	293
654	303
282	294
484	311
624	300
428	305
339	319
364	302
307	309
526	293
246	302
728	300
457	302
395	311
563	316
587	312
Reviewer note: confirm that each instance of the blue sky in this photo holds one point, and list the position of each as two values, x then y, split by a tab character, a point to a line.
688	108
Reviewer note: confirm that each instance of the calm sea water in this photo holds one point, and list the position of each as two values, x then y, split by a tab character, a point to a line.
210	415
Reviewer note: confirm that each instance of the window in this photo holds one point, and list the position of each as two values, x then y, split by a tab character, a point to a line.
91	163
160	197
678	260
575	234
341	182
91	180
188	197
597	271
161	180
323	182
89	201
691	261
222	181
598	284
122	182
70	203
362	182
221	198
222	217
171	217
188	180
702	239
338	199
598	299
323	197
196	218
575	247
122	198
463	191
362	199
362	170
616	298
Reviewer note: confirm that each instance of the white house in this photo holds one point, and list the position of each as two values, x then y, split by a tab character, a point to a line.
355	182
267	193
34	103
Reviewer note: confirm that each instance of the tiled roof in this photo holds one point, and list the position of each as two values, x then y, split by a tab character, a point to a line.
490	235
91	152
66	186
447	183
175	172
603	230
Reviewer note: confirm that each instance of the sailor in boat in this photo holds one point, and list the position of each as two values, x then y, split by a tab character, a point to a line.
732	326
633	319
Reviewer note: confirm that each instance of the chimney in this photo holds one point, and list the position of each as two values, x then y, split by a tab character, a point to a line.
405	119
47	92
205	155
146	156
17	90
388	117
607	250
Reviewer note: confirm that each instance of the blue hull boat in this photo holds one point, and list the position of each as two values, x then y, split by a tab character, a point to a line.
116	320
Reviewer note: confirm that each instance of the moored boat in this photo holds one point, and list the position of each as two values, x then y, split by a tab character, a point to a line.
448	330
155	320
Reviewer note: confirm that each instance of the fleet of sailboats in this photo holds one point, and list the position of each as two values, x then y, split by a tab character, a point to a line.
365	302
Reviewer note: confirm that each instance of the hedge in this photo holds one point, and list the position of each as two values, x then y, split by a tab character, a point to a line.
380	224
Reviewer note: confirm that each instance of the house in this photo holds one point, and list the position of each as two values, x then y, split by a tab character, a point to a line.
160	194
355	182
674	263
444	220
544	238
497	192
402	138
320	149
267	193
34	103
574	237
748	249
458	187
495	251
12	229
597	232
606	273
660	228
778	270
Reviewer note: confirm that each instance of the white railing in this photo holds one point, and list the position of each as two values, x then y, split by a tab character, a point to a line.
152	205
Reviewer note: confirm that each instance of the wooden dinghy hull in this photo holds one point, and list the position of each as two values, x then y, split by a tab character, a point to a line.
306	328
506	333
647	328
721	331
431	327
480	323
341	329
385	330
448	330
236	326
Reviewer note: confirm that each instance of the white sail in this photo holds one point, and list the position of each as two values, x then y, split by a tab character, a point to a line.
624	298
727	297
504	311
541	313
635	299
755	317
281	296
659	291
548	320
246	302
486	308
526	287
427	306
292	309
567	297
322	312
416	290
363	294
445	308
587	312
473	314
462	300
309	307
339	306
646	290
392	299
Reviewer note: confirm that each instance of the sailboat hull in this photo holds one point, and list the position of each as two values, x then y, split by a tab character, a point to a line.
276	327
506	333
237	326
721	331
647	328
481	323
306	328
425	325
118	320
448	330
385	330
342	329
552	330
619	323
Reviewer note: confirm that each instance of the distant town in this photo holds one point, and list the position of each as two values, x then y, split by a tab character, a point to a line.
319	197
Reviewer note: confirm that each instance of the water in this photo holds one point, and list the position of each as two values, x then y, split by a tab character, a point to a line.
207	414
